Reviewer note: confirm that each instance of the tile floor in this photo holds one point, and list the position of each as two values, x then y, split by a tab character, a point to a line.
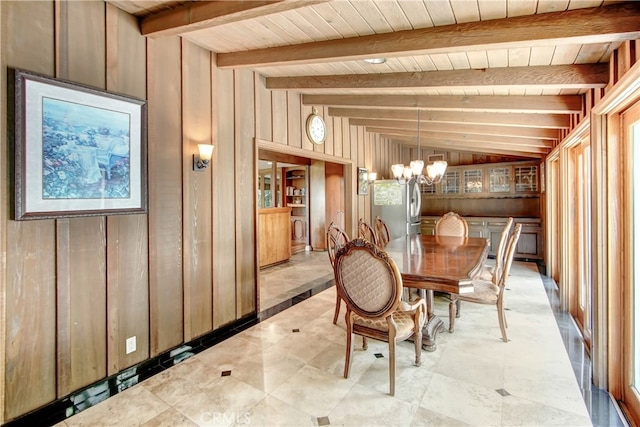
603	412
283	282
287	371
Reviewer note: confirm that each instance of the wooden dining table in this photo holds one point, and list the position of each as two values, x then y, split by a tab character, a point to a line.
438	263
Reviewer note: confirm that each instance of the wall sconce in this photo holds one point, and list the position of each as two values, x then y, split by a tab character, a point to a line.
202	158
372	176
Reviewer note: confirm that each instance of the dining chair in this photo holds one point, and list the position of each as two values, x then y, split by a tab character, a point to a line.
487	292
452	224
336	239
382	231
491	272
366	231
371	285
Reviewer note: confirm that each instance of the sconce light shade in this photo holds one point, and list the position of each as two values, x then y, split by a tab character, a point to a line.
202	158
372	176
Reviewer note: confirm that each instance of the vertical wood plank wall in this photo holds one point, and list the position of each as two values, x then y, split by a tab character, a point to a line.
28	276
165	194
127	235
224	195
81	242
196	187
73	290
245	181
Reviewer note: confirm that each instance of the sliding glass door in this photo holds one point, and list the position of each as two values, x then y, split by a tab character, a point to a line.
581	305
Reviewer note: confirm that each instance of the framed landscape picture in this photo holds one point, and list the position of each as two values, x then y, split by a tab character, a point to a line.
78	150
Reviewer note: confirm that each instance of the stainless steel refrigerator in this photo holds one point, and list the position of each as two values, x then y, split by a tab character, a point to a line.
398	205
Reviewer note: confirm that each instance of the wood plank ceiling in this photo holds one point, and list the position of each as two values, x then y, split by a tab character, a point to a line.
487	76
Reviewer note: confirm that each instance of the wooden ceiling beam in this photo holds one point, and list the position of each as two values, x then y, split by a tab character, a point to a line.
610	23
550	104
207	14
577	76
506	141
470	148
551	121
534	133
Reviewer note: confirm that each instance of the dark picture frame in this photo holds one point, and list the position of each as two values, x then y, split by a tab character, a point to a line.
363	181
78	150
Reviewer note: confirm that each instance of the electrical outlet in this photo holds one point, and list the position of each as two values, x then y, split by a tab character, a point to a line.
131	344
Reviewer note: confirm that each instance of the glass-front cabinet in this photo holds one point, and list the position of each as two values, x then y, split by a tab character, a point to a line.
451	182
490	180
500	179
526	179
473	181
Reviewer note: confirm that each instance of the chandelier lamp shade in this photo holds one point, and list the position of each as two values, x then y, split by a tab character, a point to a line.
435	171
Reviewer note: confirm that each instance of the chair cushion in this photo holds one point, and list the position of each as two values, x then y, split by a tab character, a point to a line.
483	291
487	273
403	319
366	281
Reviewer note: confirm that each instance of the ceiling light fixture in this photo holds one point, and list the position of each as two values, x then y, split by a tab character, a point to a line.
435	171
376	60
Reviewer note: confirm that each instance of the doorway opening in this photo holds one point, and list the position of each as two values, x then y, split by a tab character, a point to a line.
312	191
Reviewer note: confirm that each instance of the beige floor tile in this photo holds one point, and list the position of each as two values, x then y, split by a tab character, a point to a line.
313	391
223	402
303	346
134	406
545	387
474	363
229	353
173	385
522	412
264	334
170	418
425	417
466	402
274	412
362	406
268	370
411	381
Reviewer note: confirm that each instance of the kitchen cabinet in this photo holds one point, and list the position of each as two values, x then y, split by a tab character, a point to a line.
297	198
275	244
530	245
296	189
486	190
516	179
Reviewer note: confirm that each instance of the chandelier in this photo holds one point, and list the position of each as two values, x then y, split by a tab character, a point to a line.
435	171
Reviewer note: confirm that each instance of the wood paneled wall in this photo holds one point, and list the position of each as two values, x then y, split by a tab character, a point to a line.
28	282
73	290
165	194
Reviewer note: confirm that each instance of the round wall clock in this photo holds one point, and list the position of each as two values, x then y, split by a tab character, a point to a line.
316	128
